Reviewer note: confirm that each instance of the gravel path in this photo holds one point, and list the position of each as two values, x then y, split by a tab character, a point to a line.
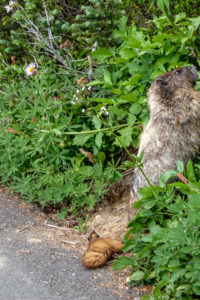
36	265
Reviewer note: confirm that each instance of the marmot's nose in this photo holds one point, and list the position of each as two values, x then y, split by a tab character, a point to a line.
193	70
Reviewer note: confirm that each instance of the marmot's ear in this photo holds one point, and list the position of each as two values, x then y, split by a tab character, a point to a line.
161	82
93	235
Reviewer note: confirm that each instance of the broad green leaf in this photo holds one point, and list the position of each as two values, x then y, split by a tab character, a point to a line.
57	132
162	4
147	239
180	166
174	262
138	275
102	157
134	43
182	186
97	122
107	77
146	193
194	200
179	17
150	297
177	235
125	137
131	120
166	2
98	139
162	37
81	139
177	273
146	250
149	204
161	235
101	54
190	172
95	82
122	23
131	97
62	214
195	22
129	245
159	286
123	262
167	175
134	79
127	53
175	208
135	108
196	288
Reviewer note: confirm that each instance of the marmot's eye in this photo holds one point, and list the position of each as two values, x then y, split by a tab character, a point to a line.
177	72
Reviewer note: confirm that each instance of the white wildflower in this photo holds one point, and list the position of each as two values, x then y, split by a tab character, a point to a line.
73	102
83	88
89	87
9	7
95	46
103	108
30	69
83	110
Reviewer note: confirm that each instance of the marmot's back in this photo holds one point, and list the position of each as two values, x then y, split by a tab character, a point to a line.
173	131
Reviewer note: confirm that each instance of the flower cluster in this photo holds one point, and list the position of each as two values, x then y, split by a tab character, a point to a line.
104	110
79	93
9	7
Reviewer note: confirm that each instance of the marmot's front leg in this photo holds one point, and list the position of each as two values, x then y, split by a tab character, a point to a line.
132	211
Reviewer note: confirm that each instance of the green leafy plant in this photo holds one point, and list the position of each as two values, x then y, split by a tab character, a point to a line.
164	237
82	225
97	16
40	155
124	73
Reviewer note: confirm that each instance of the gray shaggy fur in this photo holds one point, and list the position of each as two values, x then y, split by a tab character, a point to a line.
173	131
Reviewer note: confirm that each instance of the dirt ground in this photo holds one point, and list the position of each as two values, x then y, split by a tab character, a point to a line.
109	220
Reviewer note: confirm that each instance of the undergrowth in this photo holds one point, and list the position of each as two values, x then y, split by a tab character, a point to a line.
164	237
40	144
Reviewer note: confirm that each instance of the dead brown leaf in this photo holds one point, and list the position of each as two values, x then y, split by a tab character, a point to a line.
82	81
88	154
66	44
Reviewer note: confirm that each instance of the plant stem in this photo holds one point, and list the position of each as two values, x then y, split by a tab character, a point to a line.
89	131
127	151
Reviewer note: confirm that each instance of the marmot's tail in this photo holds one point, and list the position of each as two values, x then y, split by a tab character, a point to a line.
99	251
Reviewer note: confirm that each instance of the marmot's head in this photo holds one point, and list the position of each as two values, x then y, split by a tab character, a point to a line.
93	236
167	85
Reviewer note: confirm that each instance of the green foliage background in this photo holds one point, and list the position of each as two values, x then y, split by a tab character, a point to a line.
63	130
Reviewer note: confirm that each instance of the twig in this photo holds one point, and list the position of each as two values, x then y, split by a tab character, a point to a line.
58	227
90	71
24	251
48	25
47	43
71	242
